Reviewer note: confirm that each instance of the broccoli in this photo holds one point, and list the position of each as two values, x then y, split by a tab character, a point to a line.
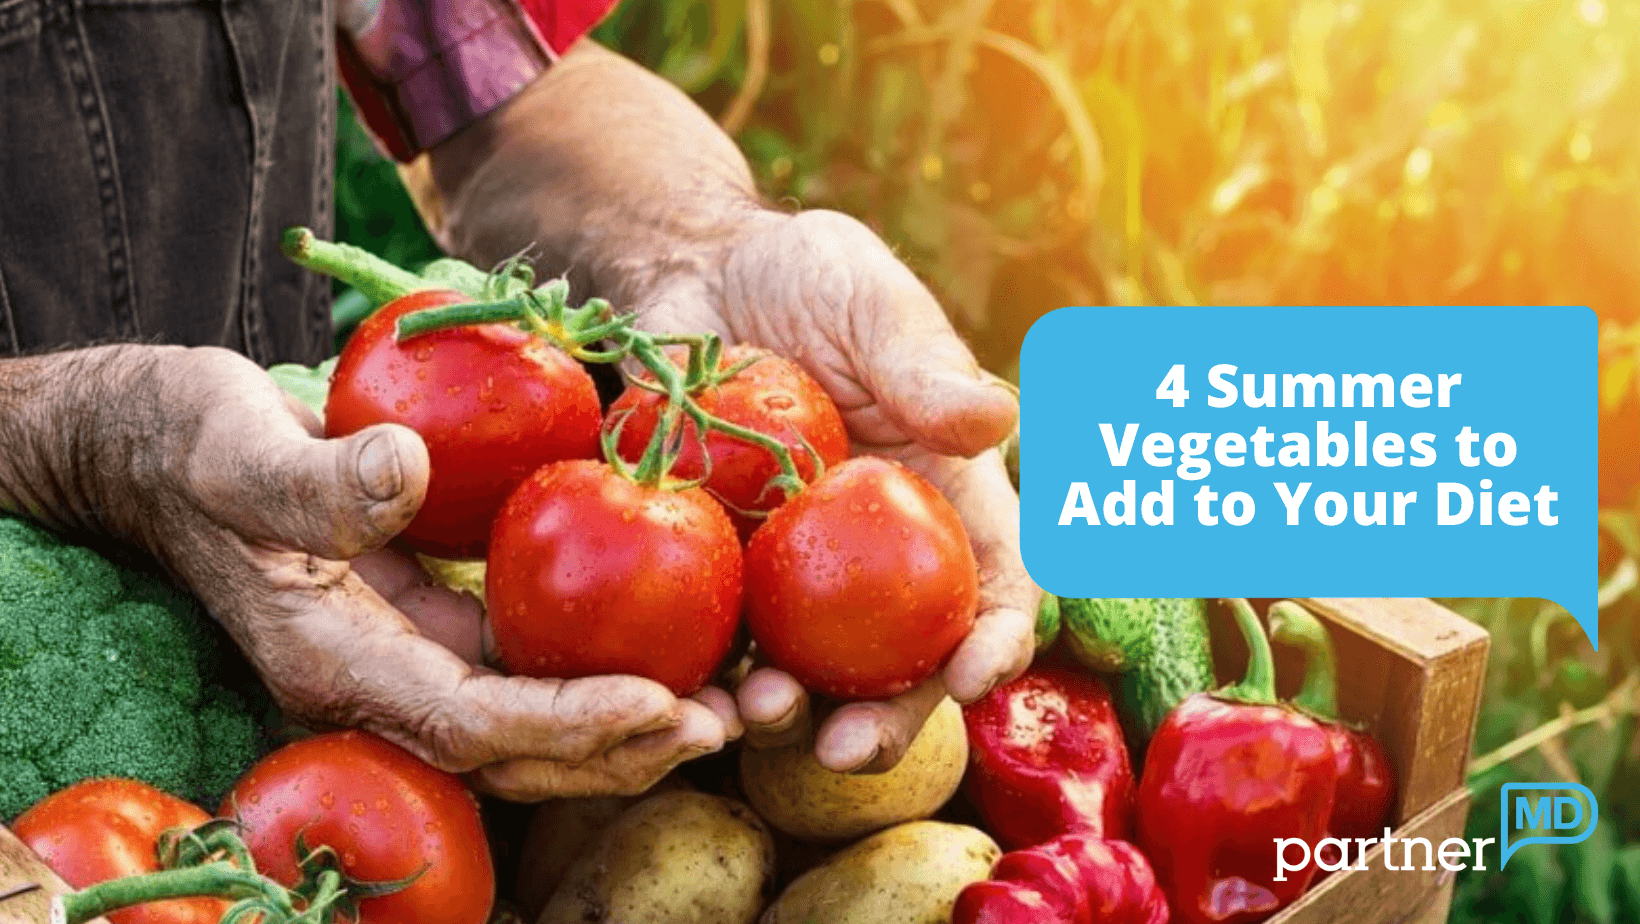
110	671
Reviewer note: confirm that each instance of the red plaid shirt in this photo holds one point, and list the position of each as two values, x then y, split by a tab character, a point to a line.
421	70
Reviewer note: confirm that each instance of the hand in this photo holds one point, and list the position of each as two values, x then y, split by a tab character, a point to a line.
821	289
199	457
677	233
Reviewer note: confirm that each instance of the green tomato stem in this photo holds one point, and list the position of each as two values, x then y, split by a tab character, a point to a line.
378	280
1258	686
426	321
212	880
647	350
1292	624
543	312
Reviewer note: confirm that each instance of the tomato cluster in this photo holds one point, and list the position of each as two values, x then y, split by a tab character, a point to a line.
861	587
406	837
626	543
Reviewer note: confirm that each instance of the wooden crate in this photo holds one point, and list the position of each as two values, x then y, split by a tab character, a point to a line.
1412	672
19	867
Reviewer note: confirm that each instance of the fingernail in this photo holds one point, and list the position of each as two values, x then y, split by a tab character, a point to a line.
985	690
870	759
700	750
785	719
378	468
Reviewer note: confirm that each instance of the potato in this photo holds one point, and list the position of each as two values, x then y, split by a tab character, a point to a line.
909	874
675	858
560	832
791	791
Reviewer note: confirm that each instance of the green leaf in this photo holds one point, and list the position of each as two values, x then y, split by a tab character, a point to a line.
1536	884
1627	884
311	386
1121	129
1594	870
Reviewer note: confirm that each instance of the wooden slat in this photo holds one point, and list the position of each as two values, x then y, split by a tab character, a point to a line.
1383	896
1439	907
19	866
1412	671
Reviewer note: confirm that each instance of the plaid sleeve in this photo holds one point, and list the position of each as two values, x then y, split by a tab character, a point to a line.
421	70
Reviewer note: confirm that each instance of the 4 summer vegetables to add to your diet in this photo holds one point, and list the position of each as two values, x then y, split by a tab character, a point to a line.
634	563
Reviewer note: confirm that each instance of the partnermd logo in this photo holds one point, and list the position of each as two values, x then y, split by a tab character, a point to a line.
1545	813
1533	813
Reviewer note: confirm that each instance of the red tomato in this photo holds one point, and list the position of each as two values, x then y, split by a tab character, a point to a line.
105	829
591	573
384	811
861	586
492	403
771	396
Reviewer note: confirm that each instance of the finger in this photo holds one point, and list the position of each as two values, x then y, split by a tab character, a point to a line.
928	385
334	652
684	305
871	737
1002	641
389	572
629	769
333	498
923	383
998	649
305	416
449	617
723	706
571	720
774	708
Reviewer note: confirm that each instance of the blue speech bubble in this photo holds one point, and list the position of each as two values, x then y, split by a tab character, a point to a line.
1134	484
1547	814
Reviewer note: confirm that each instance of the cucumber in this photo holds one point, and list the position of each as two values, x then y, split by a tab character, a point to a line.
1158	646
1047	622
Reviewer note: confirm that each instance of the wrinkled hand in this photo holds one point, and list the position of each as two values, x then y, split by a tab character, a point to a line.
820	288
228	483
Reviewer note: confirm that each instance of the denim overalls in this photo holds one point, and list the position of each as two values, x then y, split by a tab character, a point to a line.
150	153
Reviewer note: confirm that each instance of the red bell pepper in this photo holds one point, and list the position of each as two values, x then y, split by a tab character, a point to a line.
1046	757
1073	879
1366	781
991	901
1226	775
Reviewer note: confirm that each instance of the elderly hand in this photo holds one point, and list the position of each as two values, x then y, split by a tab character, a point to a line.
820	288
608	173
197	456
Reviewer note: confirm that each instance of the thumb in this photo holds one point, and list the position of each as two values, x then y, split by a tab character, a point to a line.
335	498
928	384
923	384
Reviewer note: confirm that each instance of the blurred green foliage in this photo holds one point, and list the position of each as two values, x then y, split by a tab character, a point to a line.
1022	155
